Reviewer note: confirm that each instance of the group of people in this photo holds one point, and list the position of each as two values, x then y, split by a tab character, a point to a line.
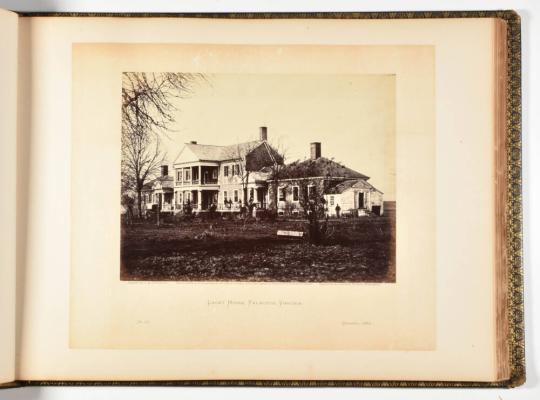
251	208
248	209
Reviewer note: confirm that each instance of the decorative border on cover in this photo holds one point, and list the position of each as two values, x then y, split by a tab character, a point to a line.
513	208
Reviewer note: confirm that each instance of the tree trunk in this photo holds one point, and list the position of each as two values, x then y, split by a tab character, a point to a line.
275	194
159	210
139	201
245	187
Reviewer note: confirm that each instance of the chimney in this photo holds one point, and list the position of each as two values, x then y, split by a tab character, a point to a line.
193	142
263	133
164	170
315	150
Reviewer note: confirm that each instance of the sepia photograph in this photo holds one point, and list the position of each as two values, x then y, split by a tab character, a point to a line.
258	177
278	190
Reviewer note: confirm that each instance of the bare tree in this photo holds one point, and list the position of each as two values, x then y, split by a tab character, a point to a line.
241	167
279	154
148	110
147	99
268	158
141	158
306	176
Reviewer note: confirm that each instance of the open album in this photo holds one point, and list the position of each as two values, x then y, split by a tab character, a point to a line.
266	199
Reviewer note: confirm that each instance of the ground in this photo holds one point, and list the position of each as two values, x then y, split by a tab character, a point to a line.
358	250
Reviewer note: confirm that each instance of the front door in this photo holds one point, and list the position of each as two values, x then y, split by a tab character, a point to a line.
361	200
261	197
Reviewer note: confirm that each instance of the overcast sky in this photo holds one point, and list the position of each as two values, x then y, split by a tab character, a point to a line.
352	115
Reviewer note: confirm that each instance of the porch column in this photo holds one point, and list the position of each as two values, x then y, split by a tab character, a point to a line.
200	175
199	200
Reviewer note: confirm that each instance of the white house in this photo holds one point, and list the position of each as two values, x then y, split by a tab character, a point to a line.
230	176
208	174
354	196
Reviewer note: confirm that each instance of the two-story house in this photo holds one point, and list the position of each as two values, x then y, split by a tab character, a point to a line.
227	176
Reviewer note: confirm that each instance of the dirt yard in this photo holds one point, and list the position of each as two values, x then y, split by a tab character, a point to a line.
358	250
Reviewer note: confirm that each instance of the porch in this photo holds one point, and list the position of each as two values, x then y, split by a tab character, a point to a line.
197	200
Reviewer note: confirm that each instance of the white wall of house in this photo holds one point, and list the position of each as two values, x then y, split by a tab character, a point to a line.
349	200
230	185
377	200
229	182
332	200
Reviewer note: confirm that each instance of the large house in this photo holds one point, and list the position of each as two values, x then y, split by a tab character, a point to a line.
254	172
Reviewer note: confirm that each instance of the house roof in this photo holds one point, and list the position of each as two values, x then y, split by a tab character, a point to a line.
259	176
320	167
343	186
167	181
208	152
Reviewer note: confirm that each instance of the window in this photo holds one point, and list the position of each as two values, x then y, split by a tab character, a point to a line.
310	191
225	196
214	173
179	198
295	193
226	171
331	200
282	194
187	175
236	169
251	194
178	175
236	195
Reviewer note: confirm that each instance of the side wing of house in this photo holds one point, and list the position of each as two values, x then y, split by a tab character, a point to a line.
355	201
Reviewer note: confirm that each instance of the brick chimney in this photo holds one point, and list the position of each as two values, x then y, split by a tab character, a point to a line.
263	133
315	150
193	142
164	170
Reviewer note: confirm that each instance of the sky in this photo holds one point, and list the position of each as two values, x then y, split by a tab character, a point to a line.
353	116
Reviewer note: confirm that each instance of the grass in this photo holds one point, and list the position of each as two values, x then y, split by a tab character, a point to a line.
359	250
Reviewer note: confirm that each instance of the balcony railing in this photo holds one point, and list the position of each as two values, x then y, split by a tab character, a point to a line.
209	181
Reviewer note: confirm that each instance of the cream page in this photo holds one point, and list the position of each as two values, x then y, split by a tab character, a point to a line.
8	205
79	321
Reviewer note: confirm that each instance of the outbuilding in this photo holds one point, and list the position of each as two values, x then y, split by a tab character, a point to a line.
354	197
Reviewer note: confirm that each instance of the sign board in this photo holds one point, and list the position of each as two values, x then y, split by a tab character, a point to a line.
290	233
